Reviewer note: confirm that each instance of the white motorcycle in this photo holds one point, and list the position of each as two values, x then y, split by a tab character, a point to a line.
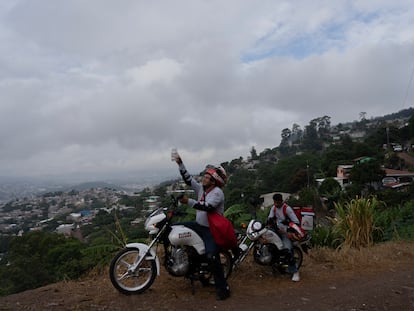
268	248
134	268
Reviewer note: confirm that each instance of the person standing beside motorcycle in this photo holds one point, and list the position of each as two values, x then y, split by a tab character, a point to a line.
210	198
279	216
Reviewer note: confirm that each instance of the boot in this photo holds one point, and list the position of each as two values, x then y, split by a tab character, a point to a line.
222	288
223	294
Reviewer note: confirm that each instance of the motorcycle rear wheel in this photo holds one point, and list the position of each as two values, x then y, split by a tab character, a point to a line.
226	263
298	255
131	282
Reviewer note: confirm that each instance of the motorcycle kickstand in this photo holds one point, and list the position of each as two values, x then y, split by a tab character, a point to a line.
192	284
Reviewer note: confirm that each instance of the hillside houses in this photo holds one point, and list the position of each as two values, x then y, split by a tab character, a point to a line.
395	179
35	213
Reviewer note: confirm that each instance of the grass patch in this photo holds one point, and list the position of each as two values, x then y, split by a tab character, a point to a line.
388	254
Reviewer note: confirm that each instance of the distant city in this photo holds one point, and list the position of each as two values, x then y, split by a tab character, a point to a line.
65	208
19	188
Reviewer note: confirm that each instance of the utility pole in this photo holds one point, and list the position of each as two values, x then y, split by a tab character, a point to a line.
388	138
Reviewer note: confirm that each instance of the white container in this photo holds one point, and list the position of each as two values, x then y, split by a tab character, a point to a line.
307	221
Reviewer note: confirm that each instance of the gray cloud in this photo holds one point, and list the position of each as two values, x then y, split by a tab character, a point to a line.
106	88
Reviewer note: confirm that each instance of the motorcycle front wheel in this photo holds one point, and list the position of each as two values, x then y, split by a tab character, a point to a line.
129	281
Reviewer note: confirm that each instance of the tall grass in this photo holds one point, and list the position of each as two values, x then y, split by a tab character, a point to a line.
354	224
119	238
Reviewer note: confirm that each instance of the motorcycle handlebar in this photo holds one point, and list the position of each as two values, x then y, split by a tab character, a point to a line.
173	210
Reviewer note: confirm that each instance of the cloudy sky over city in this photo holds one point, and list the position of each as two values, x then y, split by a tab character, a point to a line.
99	88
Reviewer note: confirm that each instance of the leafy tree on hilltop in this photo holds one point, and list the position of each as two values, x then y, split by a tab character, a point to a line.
311	140
367	174
331	190
411	128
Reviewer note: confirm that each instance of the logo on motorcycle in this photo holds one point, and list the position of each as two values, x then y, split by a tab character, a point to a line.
184	235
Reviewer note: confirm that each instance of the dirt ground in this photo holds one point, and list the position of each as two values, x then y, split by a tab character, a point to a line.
379	278
406	157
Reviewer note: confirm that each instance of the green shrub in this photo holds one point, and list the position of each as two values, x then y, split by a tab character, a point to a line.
324	236
404	222
39	258
355	222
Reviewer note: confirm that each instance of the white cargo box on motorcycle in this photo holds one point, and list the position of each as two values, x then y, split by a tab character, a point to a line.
308	216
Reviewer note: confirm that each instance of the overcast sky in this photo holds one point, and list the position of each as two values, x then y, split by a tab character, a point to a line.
102	88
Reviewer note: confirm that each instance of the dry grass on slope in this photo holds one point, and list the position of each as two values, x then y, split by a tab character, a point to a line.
388	254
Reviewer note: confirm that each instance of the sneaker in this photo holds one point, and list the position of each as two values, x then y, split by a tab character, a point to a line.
296	277
223	294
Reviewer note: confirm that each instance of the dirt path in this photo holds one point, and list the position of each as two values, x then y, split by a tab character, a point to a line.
381	278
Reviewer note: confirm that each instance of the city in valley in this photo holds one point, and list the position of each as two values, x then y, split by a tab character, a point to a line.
60	211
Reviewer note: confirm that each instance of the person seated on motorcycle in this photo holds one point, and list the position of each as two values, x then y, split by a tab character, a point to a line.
279	221
210	197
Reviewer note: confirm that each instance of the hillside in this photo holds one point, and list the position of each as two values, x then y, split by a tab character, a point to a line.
379	278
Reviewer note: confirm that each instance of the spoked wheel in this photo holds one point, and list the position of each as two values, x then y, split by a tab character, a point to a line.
298	255
226	263
129	281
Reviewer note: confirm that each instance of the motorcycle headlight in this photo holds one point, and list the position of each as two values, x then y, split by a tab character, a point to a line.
257	226
254	229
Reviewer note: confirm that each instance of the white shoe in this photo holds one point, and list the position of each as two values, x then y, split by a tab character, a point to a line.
296	277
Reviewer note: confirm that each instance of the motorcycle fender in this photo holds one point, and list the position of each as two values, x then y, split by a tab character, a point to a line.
143	248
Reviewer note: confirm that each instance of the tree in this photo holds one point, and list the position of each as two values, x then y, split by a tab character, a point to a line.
331	190
38	258
368	173
334	156
329	186
299	180
411	127
288	174
285	137
324	126
239	185
311	139
285	133
253	154
296	132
